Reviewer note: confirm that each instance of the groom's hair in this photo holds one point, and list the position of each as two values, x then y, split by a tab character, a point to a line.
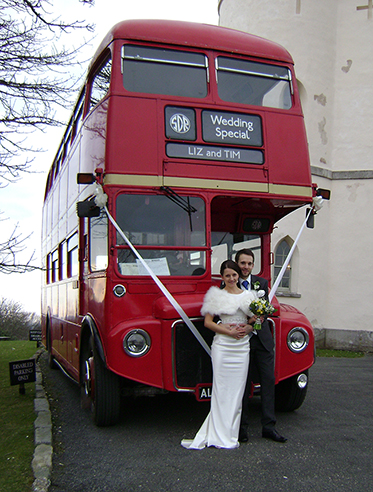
246	251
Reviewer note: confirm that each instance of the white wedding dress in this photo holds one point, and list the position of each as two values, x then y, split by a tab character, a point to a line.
230	360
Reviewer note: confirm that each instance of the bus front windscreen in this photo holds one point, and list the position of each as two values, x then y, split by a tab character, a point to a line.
169	235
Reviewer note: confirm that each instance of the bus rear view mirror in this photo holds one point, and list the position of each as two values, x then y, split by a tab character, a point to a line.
88	208
325	194
85	178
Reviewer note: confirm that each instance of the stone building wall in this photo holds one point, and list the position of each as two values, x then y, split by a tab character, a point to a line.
331	270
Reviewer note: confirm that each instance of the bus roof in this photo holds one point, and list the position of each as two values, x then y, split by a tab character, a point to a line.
197	36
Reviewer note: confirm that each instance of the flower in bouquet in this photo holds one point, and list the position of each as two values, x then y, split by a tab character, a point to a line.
260	307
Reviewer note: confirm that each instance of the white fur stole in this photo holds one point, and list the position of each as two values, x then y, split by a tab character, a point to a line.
219	301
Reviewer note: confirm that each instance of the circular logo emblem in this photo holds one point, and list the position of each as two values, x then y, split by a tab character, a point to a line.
256	225
179	123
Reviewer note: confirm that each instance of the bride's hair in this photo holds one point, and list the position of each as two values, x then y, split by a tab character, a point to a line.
229	264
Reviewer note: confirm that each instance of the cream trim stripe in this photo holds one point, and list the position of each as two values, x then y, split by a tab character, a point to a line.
214	184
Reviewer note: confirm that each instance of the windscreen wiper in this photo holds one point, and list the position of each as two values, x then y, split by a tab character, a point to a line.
180	201
173	196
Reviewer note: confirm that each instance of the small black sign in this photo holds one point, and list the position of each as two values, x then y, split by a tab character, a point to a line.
22	371
253	225
34	335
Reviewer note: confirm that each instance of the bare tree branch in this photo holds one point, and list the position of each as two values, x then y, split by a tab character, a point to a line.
35	74
35	80
10	249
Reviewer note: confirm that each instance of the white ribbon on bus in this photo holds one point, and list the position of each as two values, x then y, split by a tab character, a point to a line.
101	200
317	203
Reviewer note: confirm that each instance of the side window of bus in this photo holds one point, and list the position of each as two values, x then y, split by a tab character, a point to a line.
62	261
98	242
48	269
72	256
78	116
54	265
100	83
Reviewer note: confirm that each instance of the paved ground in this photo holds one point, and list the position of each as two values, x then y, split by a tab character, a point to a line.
330	446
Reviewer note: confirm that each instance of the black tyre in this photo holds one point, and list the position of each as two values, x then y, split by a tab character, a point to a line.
100	388
289	395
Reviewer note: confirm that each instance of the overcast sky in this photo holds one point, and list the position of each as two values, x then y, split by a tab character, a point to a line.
22	202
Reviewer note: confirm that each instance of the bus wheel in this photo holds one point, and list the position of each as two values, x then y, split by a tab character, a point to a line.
291	392
100	388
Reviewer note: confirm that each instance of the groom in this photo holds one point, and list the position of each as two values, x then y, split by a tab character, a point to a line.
261	354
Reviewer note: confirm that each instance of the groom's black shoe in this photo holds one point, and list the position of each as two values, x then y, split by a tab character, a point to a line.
242	436
274	435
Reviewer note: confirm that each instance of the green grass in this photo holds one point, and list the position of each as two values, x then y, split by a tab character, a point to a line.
16	421
338	353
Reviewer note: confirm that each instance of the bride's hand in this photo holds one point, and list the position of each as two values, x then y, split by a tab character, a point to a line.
238	331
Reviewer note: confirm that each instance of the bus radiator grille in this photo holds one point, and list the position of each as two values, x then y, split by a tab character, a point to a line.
192	363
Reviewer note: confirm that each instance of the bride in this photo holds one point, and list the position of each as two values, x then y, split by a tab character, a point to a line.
230	359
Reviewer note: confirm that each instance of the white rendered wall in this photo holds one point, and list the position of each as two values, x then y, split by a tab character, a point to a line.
331	43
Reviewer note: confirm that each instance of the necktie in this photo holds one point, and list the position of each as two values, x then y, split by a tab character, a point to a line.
245	283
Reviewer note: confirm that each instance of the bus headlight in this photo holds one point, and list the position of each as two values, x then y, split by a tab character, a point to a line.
298	339
136	343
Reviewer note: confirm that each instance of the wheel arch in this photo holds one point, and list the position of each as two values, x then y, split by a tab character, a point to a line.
89	329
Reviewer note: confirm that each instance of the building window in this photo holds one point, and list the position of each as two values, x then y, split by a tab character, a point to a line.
281	254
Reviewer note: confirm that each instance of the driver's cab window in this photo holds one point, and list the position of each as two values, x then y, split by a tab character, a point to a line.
98	242
225	246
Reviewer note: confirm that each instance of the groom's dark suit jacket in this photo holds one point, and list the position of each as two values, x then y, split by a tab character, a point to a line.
261	360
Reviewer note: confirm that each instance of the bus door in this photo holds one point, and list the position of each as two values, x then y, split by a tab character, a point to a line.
94	261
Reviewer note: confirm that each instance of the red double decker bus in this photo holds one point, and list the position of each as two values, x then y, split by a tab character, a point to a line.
196	135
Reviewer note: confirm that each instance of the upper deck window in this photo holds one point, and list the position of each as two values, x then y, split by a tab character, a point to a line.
162	71
256	84
100	83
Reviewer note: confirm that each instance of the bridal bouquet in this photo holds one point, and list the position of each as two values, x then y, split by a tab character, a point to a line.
261	307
